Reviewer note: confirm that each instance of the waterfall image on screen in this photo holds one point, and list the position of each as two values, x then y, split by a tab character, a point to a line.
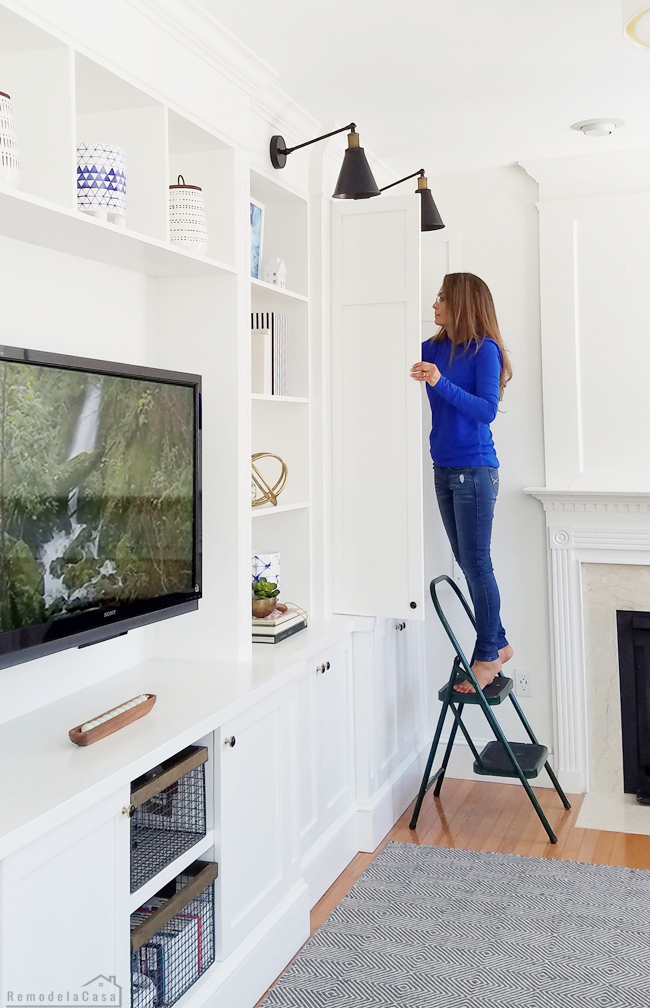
96	492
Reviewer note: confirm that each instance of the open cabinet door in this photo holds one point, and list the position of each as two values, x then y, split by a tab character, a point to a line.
377	509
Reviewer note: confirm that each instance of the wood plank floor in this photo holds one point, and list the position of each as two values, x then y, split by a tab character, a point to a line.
474	815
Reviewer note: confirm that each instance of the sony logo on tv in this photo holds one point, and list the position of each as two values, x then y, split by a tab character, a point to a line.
109	612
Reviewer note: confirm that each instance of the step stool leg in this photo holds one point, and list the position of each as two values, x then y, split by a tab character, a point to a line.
450	744
556	784
496	728
424	786
547	765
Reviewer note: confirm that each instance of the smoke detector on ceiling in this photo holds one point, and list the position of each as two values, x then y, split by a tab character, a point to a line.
598	127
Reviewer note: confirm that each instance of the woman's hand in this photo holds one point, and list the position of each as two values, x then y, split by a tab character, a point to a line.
423	371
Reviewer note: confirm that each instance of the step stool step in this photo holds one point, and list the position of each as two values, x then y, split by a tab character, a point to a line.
495	761
495	693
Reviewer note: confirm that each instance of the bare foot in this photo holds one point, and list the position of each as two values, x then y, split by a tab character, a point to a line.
484	673
505	653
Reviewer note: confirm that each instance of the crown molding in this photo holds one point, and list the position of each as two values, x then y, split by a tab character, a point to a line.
588	175
196	29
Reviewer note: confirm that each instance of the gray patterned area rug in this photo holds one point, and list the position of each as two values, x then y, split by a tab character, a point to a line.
432	927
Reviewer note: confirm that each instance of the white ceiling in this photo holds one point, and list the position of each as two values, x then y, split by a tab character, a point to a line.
454	84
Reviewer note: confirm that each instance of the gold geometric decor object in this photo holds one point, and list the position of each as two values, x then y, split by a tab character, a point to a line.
262	493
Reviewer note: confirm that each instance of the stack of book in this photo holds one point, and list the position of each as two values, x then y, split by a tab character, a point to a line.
278	626
269	336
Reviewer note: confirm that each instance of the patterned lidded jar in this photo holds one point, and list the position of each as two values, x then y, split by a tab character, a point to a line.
9	160
101	180
187	224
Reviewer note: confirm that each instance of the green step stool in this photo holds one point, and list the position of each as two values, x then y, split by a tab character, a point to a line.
500	758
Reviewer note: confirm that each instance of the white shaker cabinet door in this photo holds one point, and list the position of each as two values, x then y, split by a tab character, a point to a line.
64	916
376	408
324	743
255	851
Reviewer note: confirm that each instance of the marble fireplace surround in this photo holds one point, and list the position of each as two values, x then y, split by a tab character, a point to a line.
587	528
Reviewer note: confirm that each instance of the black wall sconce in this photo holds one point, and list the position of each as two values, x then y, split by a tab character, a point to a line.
430	219
355	179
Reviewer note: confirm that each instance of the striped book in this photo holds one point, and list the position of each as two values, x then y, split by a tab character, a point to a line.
276	324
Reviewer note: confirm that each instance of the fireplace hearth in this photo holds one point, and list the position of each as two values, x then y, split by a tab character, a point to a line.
634	669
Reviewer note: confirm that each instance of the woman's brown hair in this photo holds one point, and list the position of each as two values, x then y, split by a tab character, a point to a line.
470	305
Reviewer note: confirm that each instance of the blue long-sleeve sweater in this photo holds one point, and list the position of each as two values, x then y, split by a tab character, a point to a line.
464	402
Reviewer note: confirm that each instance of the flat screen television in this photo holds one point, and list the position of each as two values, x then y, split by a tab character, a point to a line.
100	491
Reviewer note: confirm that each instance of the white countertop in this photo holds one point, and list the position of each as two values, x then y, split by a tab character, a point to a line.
46	778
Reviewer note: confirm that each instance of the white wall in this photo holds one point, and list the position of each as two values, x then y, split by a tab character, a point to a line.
496	219
66	305
595	221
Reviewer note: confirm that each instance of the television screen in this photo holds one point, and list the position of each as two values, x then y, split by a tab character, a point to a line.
98	499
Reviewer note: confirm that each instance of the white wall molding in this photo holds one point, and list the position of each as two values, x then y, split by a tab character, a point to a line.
196	29
615	172
582	538
591	501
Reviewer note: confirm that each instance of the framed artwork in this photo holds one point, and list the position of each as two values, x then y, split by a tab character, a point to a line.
257	237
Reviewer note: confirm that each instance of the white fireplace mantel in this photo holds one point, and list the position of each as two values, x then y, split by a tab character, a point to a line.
583	527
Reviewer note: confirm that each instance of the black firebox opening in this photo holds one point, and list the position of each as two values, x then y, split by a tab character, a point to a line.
634	669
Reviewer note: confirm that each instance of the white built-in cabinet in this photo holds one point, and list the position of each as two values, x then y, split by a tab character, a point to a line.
320	762
377	524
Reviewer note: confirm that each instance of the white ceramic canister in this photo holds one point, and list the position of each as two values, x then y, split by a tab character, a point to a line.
187	225
101	181
9	161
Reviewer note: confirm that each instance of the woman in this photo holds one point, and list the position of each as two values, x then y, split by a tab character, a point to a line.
466	368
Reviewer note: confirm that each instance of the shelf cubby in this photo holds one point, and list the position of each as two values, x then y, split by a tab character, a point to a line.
168	814
286	532
206	161
111	110
264	299
285	432
173	937
36	71
285	232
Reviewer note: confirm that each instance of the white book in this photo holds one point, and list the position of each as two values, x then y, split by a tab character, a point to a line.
261	361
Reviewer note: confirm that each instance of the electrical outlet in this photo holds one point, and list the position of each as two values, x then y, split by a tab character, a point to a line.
523	686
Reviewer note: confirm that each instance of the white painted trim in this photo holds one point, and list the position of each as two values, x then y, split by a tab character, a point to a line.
244	976
571	501
377	816
588	175
582	537
191	25
322	864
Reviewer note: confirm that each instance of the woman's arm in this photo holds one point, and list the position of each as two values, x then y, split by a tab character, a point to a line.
484	405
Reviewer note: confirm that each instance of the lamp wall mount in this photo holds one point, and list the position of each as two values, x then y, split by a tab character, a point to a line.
279	150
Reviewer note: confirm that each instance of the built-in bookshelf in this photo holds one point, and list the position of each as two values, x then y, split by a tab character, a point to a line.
281	424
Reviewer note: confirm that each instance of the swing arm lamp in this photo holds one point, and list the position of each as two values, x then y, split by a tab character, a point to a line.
430	219
355	180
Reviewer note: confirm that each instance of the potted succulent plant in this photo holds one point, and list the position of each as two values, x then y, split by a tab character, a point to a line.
264	596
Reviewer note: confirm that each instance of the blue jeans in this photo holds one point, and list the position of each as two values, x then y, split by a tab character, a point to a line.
466	497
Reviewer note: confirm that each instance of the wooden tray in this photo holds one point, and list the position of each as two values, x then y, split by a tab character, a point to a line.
108	727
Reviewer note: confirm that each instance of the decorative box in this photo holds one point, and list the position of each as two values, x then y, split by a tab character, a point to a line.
101	181
187	224
9	161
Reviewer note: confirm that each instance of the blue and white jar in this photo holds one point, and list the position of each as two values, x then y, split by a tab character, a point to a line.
9	161
101	181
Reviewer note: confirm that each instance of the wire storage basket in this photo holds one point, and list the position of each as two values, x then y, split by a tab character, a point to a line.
172	938
168	813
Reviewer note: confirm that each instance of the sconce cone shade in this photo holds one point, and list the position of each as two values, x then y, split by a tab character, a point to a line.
430	219
355	180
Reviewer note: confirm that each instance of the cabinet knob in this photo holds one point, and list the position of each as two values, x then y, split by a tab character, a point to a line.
323	668
128	810
230	741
